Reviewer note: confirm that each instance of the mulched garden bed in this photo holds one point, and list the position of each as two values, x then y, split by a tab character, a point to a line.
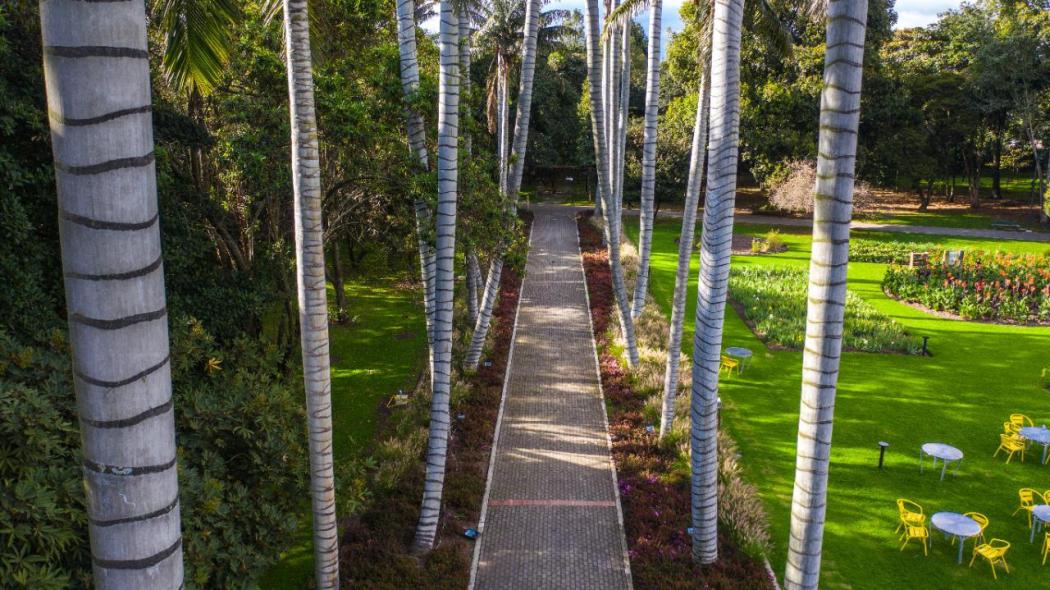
374	549
655	500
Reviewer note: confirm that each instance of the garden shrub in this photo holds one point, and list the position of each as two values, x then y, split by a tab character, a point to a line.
773	301
770	243
997	286
242	461
793	187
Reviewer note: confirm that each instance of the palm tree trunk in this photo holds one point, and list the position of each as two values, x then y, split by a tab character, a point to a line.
524	108
464	80
417	142
513	187
503	135
715	253
98	95
832	209
313	298
685	251
624	88
448	180
474	283
645	205
601	149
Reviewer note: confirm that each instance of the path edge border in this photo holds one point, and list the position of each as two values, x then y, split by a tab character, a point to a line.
474	561
605	414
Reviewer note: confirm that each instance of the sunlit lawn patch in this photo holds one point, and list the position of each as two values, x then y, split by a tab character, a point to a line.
979	374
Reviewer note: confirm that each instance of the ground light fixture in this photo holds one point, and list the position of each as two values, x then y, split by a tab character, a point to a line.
882	452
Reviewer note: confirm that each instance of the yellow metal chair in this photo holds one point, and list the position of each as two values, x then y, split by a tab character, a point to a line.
910	514
994	552
1046	547
916	532
1020	421
1027	498
981	520
1010	428
1010	444
730	364
1046	497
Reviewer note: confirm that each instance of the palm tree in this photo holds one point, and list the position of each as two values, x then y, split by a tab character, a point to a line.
832	209
510	181
652	108
715	252
762	19
406	41
685	246
445	224
313	298
98	91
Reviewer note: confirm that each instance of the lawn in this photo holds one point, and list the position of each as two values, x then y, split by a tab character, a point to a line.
378	352
979	374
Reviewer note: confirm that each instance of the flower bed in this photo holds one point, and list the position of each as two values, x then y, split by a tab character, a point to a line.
889	252
653	476
773	302
998	286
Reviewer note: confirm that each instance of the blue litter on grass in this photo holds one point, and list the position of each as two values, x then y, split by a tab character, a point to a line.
690	531
460	416
650	429
471	533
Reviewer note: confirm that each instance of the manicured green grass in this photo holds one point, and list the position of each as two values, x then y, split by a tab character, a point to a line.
979	374
373	356
937	218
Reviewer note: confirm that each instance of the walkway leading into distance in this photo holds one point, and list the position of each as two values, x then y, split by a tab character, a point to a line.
551	517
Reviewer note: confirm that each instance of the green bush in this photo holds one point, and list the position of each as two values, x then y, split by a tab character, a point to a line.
997	286
774	302
242	462
771	243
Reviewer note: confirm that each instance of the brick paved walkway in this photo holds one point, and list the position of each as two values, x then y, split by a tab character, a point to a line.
552	516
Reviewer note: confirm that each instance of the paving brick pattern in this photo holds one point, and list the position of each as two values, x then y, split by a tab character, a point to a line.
552	517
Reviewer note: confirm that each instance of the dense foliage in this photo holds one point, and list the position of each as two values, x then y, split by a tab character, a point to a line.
997	286
225	195
773	302
965	96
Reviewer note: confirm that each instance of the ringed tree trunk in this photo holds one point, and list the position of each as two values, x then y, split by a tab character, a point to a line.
98	94
715	253
513	180
474	283
624	98
417	143
605	188
444	277
645	205
685	251
832	209
313	297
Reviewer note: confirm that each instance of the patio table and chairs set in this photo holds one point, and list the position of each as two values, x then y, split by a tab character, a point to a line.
1019	432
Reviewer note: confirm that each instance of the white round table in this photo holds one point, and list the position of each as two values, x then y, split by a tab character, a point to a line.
956	525
1040	515
739	352
946	453
1037	434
